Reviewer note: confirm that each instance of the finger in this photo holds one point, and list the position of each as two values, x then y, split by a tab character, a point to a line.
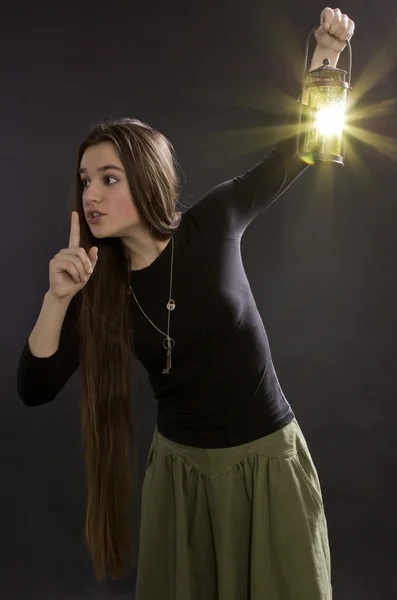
342	27
349	32
74	239
327	17
76	262
81	253
336	22
65	266
65	259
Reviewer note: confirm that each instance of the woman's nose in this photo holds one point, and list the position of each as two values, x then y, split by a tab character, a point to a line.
92	193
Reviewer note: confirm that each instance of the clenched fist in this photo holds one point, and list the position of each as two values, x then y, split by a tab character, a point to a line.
72	267
334	30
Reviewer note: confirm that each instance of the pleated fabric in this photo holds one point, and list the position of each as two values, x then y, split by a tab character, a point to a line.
241	523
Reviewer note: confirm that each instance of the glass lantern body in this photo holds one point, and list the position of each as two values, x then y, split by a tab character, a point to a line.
322	119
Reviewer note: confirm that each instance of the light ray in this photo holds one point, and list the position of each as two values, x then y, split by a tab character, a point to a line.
386	145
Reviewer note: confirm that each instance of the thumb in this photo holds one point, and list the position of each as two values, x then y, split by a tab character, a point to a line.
93	255
322	30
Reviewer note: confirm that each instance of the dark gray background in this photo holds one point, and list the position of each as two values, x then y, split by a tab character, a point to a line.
321	260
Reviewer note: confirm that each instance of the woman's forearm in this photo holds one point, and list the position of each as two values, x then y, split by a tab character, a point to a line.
320	54
44	339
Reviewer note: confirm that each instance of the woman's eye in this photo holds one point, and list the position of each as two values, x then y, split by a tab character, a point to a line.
108	179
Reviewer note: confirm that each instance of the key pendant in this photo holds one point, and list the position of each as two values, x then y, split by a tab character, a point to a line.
168	345
169	362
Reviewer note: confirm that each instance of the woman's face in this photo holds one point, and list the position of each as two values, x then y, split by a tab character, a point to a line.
106	191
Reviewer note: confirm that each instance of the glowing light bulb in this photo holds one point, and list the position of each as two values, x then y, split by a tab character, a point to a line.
330	121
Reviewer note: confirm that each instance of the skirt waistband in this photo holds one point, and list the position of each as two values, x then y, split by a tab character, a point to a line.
283	443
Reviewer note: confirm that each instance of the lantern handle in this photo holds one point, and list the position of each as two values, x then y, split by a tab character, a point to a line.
307	56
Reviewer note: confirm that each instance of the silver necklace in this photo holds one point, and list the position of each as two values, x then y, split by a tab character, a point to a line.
168	342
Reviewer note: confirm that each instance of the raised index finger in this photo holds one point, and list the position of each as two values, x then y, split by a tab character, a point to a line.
74	239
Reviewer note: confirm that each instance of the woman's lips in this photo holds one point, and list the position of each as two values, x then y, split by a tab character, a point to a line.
94	217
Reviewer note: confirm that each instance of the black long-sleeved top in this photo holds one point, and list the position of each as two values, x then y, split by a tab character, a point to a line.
222	390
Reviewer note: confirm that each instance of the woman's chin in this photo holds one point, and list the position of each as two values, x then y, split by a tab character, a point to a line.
103	232
100	235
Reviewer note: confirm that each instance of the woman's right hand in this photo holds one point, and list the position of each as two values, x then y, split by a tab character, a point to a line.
72	267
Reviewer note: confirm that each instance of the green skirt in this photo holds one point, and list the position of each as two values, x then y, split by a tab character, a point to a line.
241	523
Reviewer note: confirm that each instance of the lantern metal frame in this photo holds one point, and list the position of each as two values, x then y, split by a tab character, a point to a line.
306	73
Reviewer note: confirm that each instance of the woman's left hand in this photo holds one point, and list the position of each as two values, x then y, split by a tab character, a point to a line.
334	30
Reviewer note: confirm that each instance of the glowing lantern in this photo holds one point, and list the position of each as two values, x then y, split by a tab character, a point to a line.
323	109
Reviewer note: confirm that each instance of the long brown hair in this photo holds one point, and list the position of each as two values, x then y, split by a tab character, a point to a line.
106	338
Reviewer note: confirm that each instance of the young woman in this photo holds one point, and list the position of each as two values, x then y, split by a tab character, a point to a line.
232	506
